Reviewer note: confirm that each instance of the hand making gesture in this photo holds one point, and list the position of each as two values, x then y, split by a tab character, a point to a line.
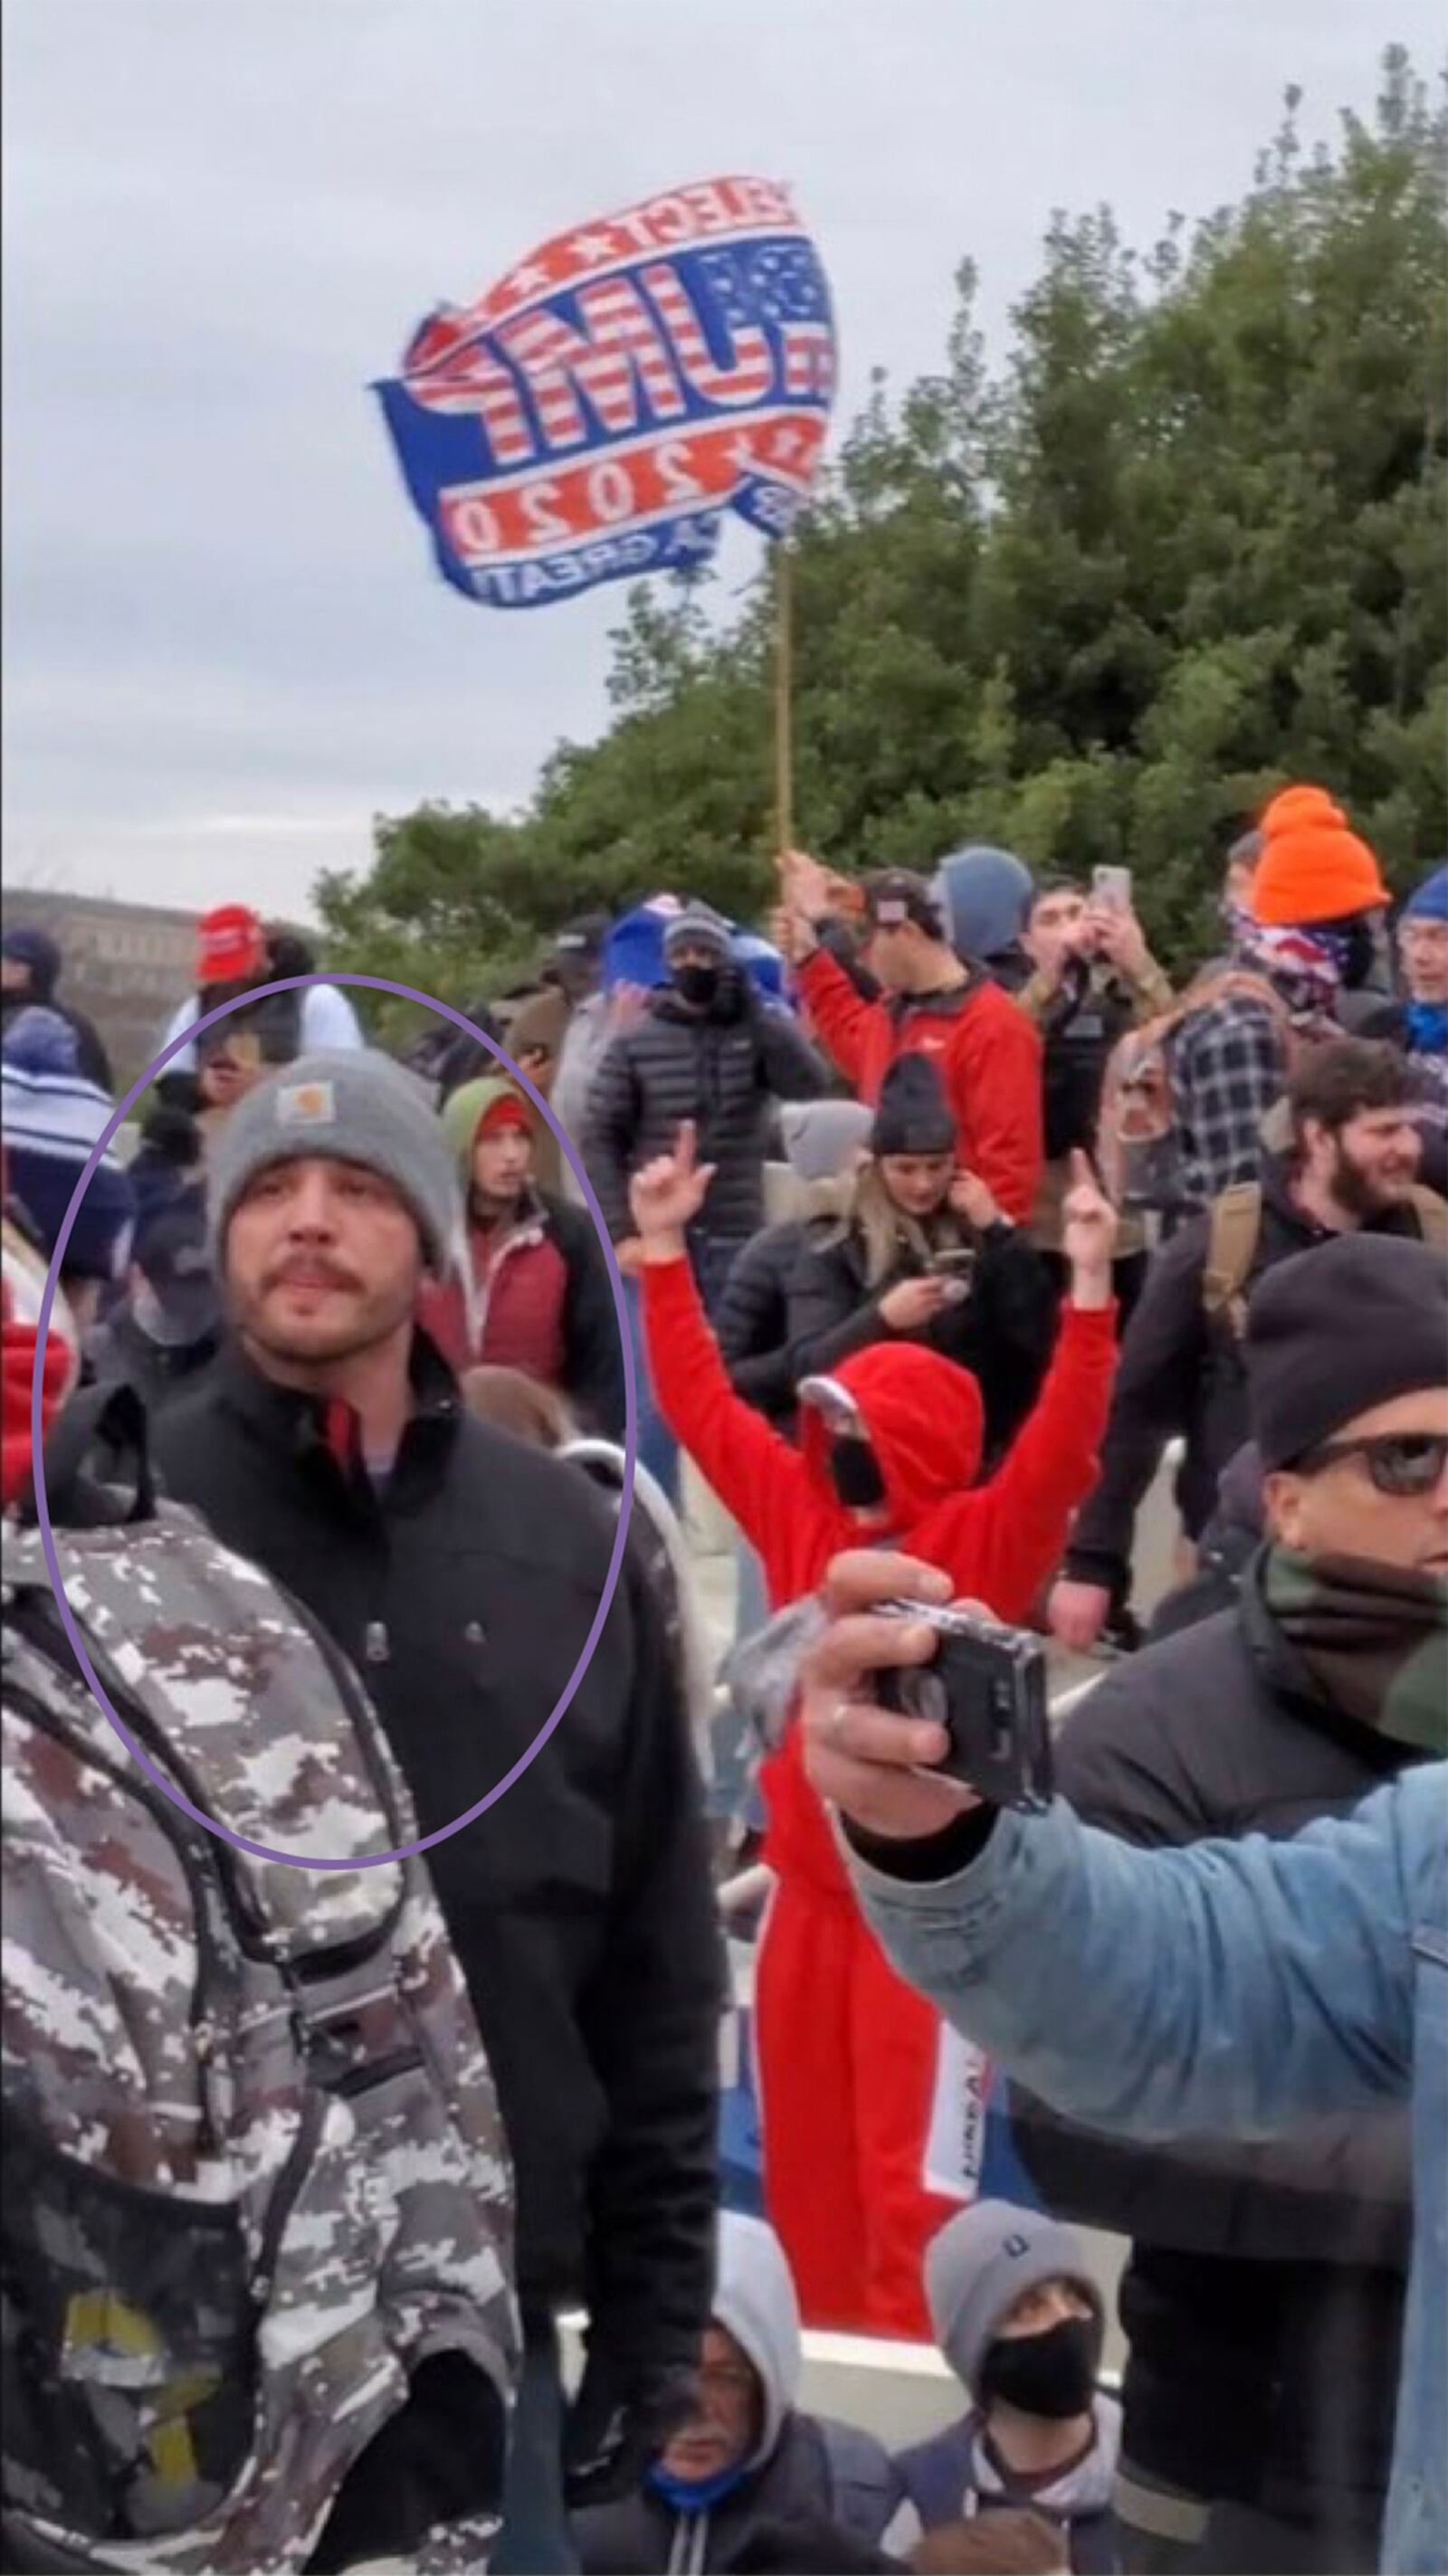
666	1196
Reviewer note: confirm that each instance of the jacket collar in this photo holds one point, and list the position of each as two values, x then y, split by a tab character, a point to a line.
944	1005
323	1437
1277	1195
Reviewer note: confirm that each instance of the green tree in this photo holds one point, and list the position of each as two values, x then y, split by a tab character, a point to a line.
1186	544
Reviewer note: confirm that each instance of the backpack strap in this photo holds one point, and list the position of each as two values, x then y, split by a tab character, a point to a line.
1233	1227
1432	1215
102	1434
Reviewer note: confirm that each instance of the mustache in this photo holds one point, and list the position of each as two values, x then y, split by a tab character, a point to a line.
307	1270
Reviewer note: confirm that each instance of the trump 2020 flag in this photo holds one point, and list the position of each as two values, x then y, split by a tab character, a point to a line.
594	414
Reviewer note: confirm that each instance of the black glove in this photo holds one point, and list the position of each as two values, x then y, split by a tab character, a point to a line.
621	2419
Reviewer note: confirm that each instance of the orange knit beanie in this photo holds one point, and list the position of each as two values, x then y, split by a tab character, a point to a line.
1313	867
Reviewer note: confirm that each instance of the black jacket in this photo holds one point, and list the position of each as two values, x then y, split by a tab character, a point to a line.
753	1320
1182	1373
120	1354
723	1069
594	1379
1002	1331
580	1905
1088	1013
1264	2297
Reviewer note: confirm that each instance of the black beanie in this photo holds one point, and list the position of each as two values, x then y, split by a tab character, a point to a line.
1337	1330
913	1116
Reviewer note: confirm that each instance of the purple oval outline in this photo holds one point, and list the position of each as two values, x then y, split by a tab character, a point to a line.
239	1842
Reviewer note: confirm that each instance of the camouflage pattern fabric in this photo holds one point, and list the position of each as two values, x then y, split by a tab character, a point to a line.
255	2164
1374	1639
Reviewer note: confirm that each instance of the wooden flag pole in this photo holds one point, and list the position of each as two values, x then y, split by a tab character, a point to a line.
784	696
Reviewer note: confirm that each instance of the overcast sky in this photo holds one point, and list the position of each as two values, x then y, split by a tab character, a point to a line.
226	646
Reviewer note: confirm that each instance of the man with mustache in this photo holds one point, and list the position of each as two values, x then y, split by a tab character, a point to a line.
461	1572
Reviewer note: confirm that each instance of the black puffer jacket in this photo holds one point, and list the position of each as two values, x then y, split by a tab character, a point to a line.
722	1068
1264	2297
1002	1331
752	1324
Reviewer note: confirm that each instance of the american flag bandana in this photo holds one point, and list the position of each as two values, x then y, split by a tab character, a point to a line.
1303	966
593	415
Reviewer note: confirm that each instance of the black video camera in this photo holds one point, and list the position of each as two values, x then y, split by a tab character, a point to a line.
986	1685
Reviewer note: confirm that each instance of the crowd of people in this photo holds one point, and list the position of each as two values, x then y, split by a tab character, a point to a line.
919	1221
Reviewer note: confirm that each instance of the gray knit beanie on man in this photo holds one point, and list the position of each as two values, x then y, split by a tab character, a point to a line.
699	926
351	1106
980	2264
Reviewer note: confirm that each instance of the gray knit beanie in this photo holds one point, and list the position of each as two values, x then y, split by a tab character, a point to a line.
820	1136
701	927
354	1106
979	2265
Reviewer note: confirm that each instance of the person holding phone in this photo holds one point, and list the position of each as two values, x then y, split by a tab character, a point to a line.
923	1254
1226	1992
1094	978
850	2062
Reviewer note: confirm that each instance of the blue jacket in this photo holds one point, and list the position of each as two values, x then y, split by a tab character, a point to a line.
1229	1986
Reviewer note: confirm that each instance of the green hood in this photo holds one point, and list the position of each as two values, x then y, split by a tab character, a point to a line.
464	1113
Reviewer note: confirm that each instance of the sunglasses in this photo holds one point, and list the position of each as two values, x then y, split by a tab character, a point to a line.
1399	1463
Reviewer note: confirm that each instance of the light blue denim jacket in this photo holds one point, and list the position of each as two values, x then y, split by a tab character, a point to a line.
1228	1986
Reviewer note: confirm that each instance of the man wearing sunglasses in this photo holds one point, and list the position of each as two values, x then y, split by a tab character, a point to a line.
1264	2297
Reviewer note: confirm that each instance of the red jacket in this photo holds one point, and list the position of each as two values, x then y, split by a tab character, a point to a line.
986	1051
518	1306
997	1542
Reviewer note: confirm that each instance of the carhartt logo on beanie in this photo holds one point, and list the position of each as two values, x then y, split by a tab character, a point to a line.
348	1107
985	2259
1313	866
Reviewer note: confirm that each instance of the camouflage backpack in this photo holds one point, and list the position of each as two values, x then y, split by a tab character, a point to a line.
256	2179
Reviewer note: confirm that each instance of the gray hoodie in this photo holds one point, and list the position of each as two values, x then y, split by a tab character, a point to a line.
802	2469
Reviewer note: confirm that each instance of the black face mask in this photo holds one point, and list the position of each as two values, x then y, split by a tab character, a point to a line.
1052	2375
855	1475
696	984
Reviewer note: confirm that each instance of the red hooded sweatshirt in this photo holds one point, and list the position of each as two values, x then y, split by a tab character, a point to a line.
997	1542
985	1050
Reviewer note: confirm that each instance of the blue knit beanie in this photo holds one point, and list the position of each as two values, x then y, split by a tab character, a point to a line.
1430	900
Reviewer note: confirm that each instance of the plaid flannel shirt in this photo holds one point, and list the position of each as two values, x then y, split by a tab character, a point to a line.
1228	1068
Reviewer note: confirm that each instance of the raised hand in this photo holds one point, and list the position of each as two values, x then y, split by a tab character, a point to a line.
1119	937
667	1194
809	887
627	1004
971	1199
1088	1234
